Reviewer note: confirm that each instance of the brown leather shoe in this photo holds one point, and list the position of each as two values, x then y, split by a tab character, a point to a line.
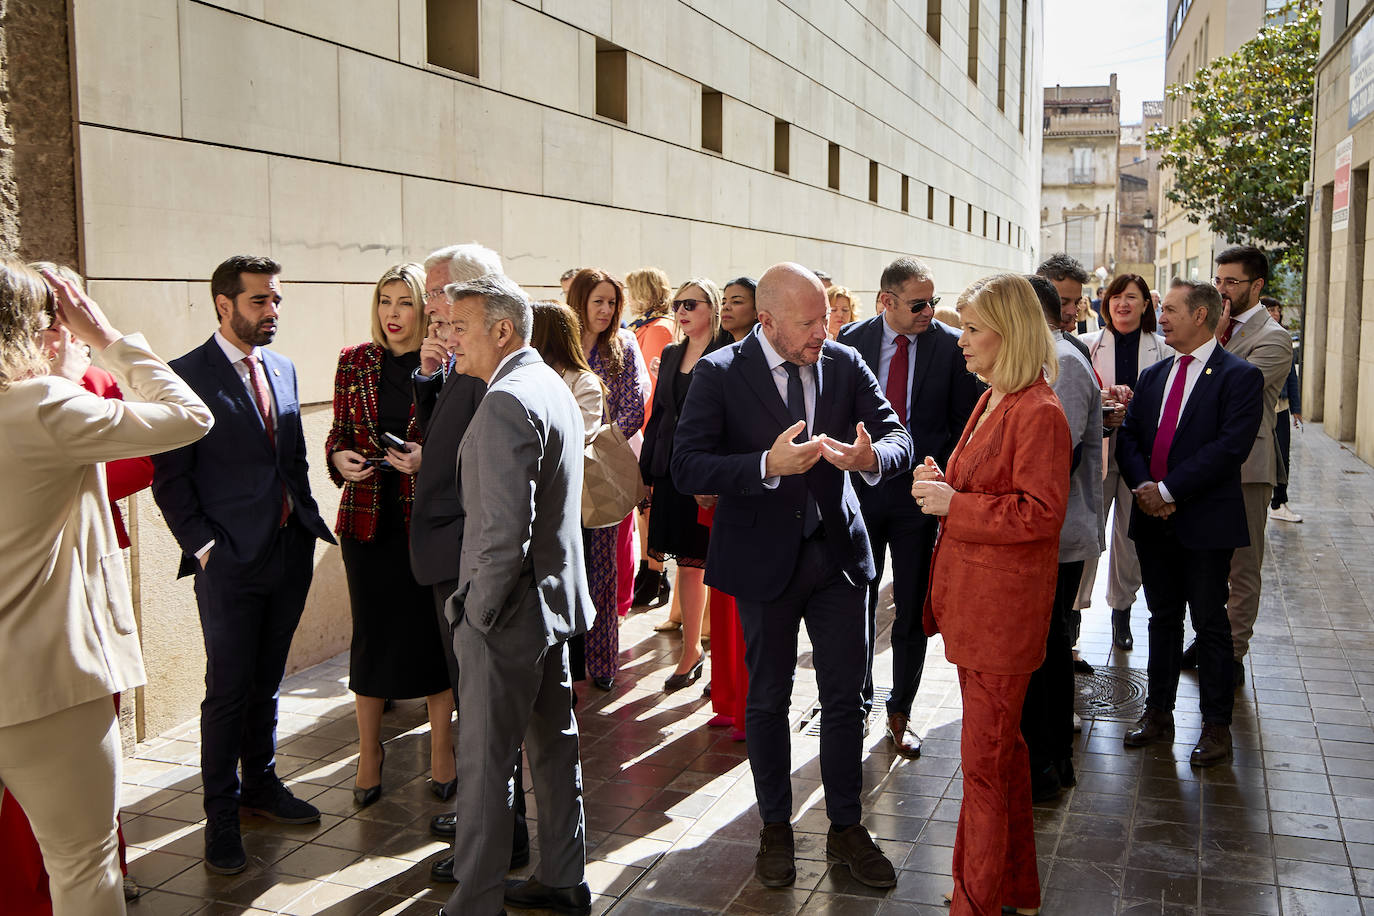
1213	747
904	741
776	864
1156	725
855	848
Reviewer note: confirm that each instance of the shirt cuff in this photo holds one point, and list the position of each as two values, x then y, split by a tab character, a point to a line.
200	554
421	377
1164	493
872	478
769	483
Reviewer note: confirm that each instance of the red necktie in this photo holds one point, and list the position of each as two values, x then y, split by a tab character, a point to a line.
265	410
1230	329
1168	423
896	378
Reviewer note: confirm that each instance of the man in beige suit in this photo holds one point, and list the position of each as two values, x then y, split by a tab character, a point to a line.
67	623
1242	272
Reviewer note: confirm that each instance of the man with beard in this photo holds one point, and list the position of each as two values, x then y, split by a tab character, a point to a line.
238	502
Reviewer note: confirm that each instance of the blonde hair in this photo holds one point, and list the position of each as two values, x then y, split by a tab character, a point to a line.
712	293
413	276
946	315
649	287
1008	306
26	307
835	292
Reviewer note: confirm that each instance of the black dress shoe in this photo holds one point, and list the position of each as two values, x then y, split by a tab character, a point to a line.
904	741
1238	675
276	803
444	825
855	848
1156	725
1067	778
442	871
1213	747
1045	784
603	683
224	853
1189	660
529	894
678	681
776	865
1081	667
647	586
364	797
1121	629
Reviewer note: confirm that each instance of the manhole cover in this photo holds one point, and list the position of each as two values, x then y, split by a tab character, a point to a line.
810	723
1111	693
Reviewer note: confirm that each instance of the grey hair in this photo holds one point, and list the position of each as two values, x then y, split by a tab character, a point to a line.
902	270
465	262
501	299
1200	295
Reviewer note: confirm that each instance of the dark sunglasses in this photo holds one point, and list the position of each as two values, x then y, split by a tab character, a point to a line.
920	305
688	305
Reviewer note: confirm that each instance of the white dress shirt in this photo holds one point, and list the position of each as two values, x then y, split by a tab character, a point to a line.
885	354
1200	357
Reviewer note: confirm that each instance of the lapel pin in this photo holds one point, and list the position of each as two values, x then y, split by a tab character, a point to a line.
1208	372
277	372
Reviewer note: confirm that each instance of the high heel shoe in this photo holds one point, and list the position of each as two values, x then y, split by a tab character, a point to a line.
1121	629
443	790
364	797
678	681
647	584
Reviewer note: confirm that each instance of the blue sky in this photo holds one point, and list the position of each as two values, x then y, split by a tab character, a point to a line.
1088	40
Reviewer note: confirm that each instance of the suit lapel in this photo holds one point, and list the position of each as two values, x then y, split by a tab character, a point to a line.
282	395
871	344
232	384
925	352
1202	388
820	416
754	368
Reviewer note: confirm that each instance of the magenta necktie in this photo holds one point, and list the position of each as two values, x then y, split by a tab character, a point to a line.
897	370
1168	424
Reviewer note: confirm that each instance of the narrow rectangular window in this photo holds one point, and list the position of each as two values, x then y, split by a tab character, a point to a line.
1002	56
906	194
612	96
872	181
930	203
973	40
933	20
782	146
834	170
969	224
985	224
951	209
712	121
451	34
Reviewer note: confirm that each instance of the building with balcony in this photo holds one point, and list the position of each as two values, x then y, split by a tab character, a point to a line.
1137	195
1078	183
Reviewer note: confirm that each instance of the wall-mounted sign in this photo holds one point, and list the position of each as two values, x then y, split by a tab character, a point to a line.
1361	74
1340	200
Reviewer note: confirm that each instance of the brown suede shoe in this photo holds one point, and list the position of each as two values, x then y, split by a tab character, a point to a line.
1213	747
776	864
1156	725
855	848
904	741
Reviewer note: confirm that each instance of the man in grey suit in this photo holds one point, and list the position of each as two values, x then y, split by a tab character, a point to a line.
522	593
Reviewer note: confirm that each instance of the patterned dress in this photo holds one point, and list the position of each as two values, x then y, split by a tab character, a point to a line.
625	408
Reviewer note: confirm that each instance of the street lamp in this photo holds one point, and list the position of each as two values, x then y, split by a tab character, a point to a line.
1148	220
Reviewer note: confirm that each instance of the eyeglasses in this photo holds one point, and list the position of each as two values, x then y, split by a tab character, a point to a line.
689	305
1230	283
920	305
432	294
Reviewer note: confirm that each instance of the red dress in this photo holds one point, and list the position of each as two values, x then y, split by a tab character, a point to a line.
729	676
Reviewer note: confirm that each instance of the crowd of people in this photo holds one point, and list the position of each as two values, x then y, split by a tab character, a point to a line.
788	449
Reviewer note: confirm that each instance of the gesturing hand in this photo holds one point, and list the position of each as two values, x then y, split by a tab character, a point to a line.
929	470
857	457
78	313
788	457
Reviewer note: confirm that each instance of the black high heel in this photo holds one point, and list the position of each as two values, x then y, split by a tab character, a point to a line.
678	681
443	790
364	797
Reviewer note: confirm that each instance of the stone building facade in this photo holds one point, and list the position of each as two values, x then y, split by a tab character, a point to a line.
1137	194
1078	196
700	136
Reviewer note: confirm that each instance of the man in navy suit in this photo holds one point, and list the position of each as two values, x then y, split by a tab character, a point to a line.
238	502
933	394
789	543
1188	430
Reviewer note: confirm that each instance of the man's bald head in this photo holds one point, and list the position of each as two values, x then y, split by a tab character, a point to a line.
792	312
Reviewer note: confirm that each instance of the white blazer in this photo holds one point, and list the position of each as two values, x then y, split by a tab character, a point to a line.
1102	347
67	628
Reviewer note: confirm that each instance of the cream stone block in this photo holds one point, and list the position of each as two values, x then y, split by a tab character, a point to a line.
668	104
246	83
609	239
711	255
369	25
666	242
853	174
128	65
728	186
689	192
334	223
691	44
411	33
438	213
154	207
357	311
593	16
539	239
748	134
166	312
639	27
810	163
252	8
733	56
396	118
540	57
767	79
640	172
312	331
577	157
499	138
490	27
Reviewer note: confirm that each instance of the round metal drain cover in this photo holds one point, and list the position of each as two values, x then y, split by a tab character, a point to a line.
1111	693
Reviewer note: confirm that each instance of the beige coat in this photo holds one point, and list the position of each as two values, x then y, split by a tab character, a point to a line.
1264	343
67	629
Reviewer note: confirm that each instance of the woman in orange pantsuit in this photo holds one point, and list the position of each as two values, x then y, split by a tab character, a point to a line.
1002	501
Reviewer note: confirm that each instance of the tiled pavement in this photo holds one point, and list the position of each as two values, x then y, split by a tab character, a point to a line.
1289	828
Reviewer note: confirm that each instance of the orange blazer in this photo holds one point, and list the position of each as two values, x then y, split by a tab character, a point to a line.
996	560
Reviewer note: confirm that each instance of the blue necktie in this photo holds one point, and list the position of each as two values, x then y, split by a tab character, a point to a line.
796	406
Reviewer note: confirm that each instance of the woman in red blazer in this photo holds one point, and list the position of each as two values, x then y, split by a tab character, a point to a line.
1002	501
396	651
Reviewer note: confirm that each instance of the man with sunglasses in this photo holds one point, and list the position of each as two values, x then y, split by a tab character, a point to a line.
1246	330
918	366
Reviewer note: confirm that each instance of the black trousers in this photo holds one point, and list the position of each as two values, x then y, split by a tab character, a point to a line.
1283	442
910	534
833	609
247	617
1047	716
1178	580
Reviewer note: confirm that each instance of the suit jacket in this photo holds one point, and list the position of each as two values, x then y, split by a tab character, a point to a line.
227	487
1262	342
1215	432
443	410
357	383
66	615
521	467
996	562
657	452
1083	536
732	416
126	476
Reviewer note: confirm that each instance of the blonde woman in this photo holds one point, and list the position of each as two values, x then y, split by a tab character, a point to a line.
844	308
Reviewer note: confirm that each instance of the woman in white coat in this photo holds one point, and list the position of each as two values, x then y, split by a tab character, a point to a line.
67	631
1120	352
